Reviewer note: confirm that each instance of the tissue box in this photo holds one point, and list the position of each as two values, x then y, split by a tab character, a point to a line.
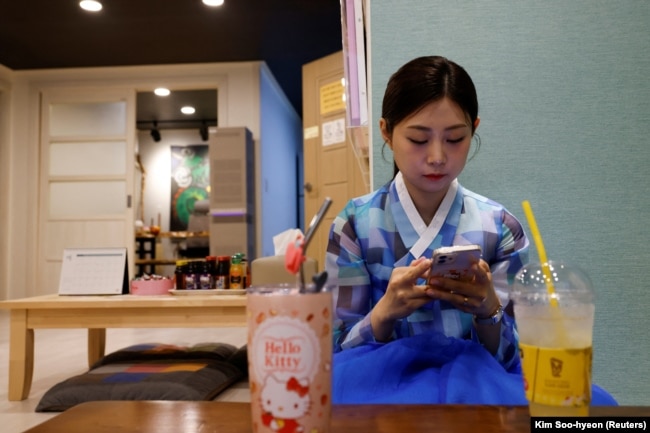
152	287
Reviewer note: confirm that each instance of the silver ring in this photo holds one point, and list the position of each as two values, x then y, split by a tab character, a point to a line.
465	301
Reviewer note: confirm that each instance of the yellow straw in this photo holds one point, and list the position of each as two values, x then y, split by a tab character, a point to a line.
540	251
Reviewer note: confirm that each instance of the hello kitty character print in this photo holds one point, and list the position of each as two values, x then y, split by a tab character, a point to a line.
290	351
284	403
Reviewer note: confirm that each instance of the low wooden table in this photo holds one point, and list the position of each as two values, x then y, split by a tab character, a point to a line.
223	417
96	313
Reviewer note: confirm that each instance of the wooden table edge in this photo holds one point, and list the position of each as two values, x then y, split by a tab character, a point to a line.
126	301
346	418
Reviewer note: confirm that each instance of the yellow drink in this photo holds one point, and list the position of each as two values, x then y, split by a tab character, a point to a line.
555	347
554	311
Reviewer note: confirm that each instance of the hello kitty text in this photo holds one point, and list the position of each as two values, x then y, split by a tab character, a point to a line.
282	354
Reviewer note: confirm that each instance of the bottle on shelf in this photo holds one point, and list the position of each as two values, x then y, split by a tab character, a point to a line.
204	275
223	273
236	273
211	262
191	277
246	270
179	274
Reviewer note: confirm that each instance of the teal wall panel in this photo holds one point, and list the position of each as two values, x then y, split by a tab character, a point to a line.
564	101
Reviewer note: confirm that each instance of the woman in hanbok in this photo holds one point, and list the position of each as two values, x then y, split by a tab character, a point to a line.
380	245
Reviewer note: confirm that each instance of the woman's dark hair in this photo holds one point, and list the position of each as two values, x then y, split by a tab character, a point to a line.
424	80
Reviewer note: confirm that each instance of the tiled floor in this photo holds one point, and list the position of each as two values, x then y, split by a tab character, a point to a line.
61	353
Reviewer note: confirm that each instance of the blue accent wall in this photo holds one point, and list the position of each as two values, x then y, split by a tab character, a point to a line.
564	97
281	162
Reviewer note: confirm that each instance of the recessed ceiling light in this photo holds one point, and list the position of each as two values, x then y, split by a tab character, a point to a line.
162	91
213	2
188	110
90	5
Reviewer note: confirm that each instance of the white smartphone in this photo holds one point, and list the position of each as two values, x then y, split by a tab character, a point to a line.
454	262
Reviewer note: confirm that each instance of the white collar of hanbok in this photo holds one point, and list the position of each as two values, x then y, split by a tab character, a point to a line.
427	233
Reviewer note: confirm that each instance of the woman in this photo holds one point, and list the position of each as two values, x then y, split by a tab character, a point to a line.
380	244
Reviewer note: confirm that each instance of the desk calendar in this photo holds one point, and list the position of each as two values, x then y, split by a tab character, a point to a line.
94	271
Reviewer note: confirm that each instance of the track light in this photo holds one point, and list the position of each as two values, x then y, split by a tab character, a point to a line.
203	131
155	133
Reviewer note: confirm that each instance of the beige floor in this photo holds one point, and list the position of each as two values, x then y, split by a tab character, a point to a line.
61	353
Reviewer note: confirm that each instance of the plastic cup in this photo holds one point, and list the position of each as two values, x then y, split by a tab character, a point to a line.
555	338
290	358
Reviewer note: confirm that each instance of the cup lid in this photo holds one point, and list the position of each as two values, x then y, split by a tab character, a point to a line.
570	284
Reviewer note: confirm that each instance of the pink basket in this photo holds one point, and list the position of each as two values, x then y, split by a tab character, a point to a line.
152	287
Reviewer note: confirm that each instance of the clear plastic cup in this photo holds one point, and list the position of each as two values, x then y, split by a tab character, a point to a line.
290	358
555	337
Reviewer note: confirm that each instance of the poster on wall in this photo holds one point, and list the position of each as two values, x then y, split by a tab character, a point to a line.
190	182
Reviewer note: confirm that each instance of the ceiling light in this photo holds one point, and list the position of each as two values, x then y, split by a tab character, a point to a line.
213	2
162	91
188	110
90	5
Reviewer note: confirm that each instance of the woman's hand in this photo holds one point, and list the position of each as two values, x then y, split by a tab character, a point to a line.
475	295
403	296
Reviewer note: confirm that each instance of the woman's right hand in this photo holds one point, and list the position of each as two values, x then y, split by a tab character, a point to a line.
403	296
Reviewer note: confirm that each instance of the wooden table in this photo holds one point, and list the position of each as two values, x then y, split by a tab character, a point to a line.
223	417
96	313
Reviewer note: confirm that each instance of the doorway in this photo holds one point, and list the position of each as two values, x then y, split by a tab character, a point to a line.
172	169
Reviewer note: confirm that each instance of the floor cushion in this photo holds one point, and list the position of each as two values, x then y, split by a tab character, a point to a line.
152	372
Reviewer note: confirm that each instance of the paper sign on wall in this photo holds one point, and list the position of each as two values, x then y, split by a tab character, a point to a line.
94	271
333	132
331	98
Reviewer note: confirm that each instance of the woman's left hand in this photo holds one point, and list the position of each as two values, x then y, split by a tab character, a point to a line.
475	295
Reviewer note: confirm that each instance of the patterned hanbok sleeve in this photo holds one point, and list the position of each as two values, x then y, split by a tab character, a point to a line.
349	276
511	255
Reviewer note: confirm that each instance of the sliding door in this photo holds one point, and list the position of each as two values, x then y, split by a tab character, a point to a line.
86	166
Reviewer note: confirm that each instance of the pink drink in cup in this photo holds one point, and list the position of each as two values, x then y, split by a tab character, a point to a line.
289	358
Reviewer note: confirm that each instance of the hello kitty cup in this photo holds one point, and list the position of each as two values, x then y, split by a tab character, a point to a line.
290	358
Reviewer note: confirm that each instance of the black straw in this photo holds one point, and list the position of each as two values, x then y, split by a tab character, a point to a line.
315	221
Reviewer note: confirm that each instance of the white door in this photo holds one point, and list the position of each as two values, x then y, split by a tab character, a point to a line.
87	160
